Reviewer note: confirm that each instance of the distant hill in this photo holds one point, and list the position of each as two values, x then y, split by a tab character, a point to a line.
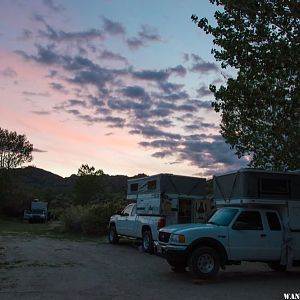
42	179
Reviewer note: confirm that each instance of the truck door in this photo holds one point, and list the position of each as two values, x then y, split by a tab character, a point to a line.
122	219
247	237
131	224
275	235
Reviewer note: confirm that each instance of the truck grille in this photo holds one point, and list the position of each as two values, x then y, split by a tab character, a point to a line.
164	236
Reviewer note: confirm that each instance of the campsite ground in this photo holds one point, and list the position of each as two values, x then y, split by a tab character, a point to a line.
35	267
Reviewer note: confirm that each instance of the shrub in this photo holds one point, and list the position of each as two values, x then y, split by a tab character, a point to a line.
90	219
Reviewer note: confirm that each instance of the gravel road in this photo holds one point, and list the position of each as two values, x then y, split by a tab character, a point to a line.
41	268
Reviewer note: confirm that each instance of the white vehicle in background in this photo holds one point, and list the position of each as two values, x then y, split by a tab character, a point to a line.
158	201
37	213
258	220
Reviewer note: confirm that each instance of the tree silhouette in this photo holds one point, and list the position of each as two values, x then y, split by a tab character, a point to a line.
260	108
15	149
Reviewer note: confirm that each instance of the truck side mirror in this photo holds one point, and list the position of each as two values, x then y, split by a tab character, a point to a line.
240	225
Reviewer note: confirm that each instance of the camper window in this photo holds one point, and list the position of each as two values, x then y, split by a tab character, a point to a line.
274	186
134	187
151	185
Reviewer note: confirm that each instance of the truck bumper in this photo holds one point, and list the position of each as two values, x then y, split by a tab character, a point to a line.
175	253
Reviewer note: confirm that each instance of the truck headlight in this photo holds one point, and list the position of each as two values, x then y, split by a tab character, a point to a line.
178	238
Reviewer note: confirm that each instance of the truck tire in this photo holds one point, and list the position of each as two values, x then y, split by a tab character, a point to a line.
113	235
204	262
276	266
147	241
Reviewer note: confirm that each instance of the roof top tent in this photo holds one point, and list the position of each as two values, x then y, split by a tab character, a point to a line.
249	187
180	198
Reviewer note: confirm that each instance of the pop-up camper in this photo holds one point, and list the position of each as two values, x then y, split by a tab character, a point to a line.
181	199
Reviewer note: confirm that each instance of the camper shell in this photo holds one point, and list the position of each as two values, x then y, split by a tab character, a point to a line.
254	187
181	199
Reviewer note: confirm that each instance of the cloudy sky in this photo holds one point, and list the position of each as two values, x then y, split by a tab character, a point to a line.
119	84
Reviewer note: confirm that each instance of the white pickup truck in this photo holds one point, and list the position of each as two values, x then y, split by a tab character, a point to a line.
232	235
130	225
159	200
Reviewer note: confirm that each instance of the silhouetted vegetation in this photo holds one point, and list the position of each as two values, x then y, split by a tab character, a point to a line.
83	202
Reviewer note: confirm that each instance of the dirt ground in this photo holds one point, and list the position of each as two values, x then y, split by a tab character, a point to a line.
41	268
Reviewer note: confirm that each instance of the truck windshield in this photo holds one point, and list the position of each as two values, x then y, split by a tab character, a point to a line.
38	211
223	217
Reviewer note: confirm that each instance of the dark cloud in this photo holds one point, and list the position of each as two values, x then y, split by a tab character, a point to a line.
76	102
41	112
112	27
147	34
95	101
114	122
41	94
153	75
135	43
74	112
46	55
58	87
112	56
208	152
9	73
26	35
163	123
162	154
202	104
203	91
186	57
179	70
54	35
135	92
204	67
52	73
98	77
52	6
201	66
200	125
176	96
169	87
66	105
130	105
150	131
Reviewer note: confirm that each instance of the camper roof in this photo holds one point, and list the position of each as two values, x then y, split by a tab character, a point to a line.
242	170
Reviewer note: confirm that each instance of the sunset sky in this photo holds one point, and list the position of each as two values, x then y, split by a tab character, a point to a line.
119	84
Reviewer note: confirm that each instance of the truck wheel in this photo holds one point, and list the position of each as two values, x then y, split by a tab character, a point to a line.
112	235
204	262
276	266
147	242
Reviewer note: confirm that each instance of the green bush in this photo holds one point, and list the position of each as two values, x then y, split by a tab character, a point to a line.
90	219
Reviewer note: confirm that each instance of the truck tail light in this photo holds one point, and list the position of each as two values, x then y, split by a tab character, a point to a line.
161	223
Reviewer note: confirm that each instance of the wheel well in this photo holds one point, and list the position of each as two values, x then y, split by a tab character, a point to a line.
146	228
210	242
